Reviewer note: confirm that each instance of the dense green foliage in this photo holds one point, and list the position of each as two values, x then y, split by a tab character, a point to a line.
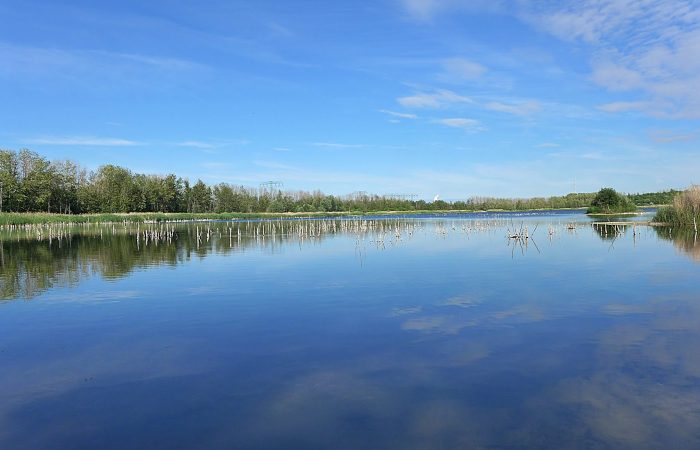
31	183
654	198
685	210
609	201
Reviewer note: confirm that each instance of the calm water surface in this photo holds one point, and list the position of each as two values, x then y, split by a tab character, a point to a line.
433	332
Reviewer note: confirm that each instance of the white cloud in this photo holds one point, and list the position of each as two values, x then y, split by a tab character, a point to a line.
336	145
616	77
647	47
461	69
616	107
436	99
423	9
196	144
83	140
45	61
470	125
518	109
667	136
399	114
427	9
651	47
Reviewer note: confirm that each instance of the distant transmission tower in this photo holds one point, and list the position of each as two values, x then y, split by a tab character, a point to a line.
402	196
270	187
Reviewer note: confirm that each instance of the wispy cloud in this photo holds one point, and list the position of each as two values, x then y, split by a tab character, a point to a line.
427	9
598	156
667	136
196	144
96	68
399	114
646	47
273	165
280	30
83	140
457	70
616	77
470	125
586	155
518	109
436	99
616	107
336	145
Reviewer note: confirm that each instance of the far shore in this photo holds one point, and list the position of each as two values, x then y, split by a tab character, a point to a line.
14	218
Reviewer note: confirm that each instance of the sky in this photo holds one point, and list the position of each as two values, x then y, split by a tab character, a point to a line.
456	98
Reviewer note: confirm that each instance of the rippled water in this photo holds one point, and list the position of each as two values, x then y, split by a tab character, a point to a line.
431	332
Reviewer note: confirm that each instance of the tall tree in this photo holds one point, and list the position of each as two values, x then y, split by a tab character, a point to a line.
201	197
115	189
10	193
36	176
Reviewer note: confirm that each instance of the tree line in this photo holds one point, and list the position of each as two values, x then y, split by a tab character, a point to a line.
30	182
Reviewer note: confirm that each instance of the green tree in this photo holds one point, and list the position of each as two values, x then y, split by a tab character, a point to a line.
36	181
201	198
10	194
607	200
115	189
64	187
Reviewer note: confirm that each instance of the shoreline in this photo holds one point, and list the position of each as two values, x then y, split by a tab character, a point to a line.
14	218
34	218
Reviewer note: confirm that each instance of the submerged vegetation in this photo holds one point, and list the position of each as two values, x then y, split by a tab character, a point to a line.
609	201
685	210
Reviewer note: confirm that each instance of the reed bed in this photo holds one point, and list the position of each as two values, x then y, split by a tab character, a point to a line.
685	211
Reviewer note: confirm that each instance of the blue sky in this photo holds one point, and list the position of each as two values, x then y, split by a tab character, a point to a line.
454	97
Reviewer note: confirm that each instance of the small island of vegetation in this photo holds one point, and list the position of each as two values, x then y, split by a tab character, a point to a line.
609	201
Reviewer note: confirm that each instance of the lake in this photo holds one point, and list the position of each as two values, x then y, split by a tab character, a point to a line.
508	330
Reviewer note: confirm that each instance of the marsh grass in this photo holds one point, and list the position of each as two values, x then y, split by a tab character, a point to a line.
685	210
44	218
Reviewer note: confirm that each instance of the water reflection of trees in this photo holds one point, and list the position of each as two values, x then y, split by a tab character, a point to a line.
683	239
34	260
609	232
